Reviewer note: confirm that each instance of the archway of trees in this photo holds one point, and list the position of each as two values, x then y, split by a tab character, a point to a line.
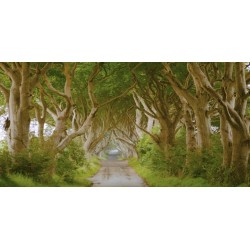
178	113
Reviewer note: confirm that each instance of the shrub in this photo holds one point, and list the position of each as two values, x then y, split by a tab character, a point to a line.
150	155
65	168
175	163
70	161
5	160
208	164
39	164
35	162
178	163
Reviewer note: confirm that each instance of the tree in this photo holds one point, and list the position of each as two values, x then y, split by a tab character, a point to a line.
74	115
234	112
155	98
198	101
24	78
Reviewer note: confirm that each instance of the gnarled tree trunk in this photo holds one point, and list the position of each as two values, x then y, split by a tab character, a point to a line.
203	129
228	88
23	81
190	129
235	117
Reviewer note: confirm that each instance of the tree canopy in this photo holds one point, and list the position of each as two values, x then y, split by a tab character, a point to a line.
103	104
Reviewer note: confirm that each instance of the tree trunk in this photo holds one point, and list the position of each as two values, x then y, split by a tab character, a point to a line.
41	131
203	130
59	132
240	154
226	141
150	123
198	102
166	137
234	113
23	81
19	107
190	129
225	128
138	117
241	137
85	126
87	143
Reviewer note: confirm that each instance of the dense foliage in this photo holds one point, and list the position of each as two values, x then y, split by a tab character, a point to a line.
36	164
180	164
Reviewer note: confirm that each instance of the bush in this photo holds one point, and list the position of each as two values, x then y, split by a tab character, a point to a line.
150	155
178	163
208	164
175	162
38	166
65	168
33	163
156	179
36	162
5	160
70	161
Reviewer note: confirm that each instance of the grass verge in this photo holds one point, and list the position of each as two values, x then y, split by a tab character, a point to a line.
158	179
79	180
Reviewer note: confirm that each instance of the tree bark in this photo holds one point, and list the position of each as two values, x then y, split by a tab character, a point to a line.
23	81
166	138
236	119
138	117
241	138
226	141
199	104
19	108
190	129
150	123
203	129
240	154
228	89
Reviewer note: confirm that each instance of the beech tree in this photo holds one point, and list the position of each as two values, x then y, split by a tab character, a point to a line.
24	78
69	121
115	104
158	102
198	101
100	126
125	134
233	115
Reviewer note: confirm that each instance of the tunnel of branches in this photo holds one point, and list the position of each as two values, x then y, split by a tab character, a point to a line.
113	106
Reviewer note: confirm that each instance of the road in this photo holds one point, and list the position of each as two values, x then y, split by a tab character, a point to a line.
115	173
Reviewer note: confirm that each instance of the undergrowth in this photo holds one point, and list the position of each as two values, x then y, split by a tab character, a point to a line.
180	168
32	168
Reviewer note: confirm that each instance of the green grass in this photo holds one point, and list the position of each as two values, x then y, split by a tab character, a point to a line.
157	179
18	180
80	180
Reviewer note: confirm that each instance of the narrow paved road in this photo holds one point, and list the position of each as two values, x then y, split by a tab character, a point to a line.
116	174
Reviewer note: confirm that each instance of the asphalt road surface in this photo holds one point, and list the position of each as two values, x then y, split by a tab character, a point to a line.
115	173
